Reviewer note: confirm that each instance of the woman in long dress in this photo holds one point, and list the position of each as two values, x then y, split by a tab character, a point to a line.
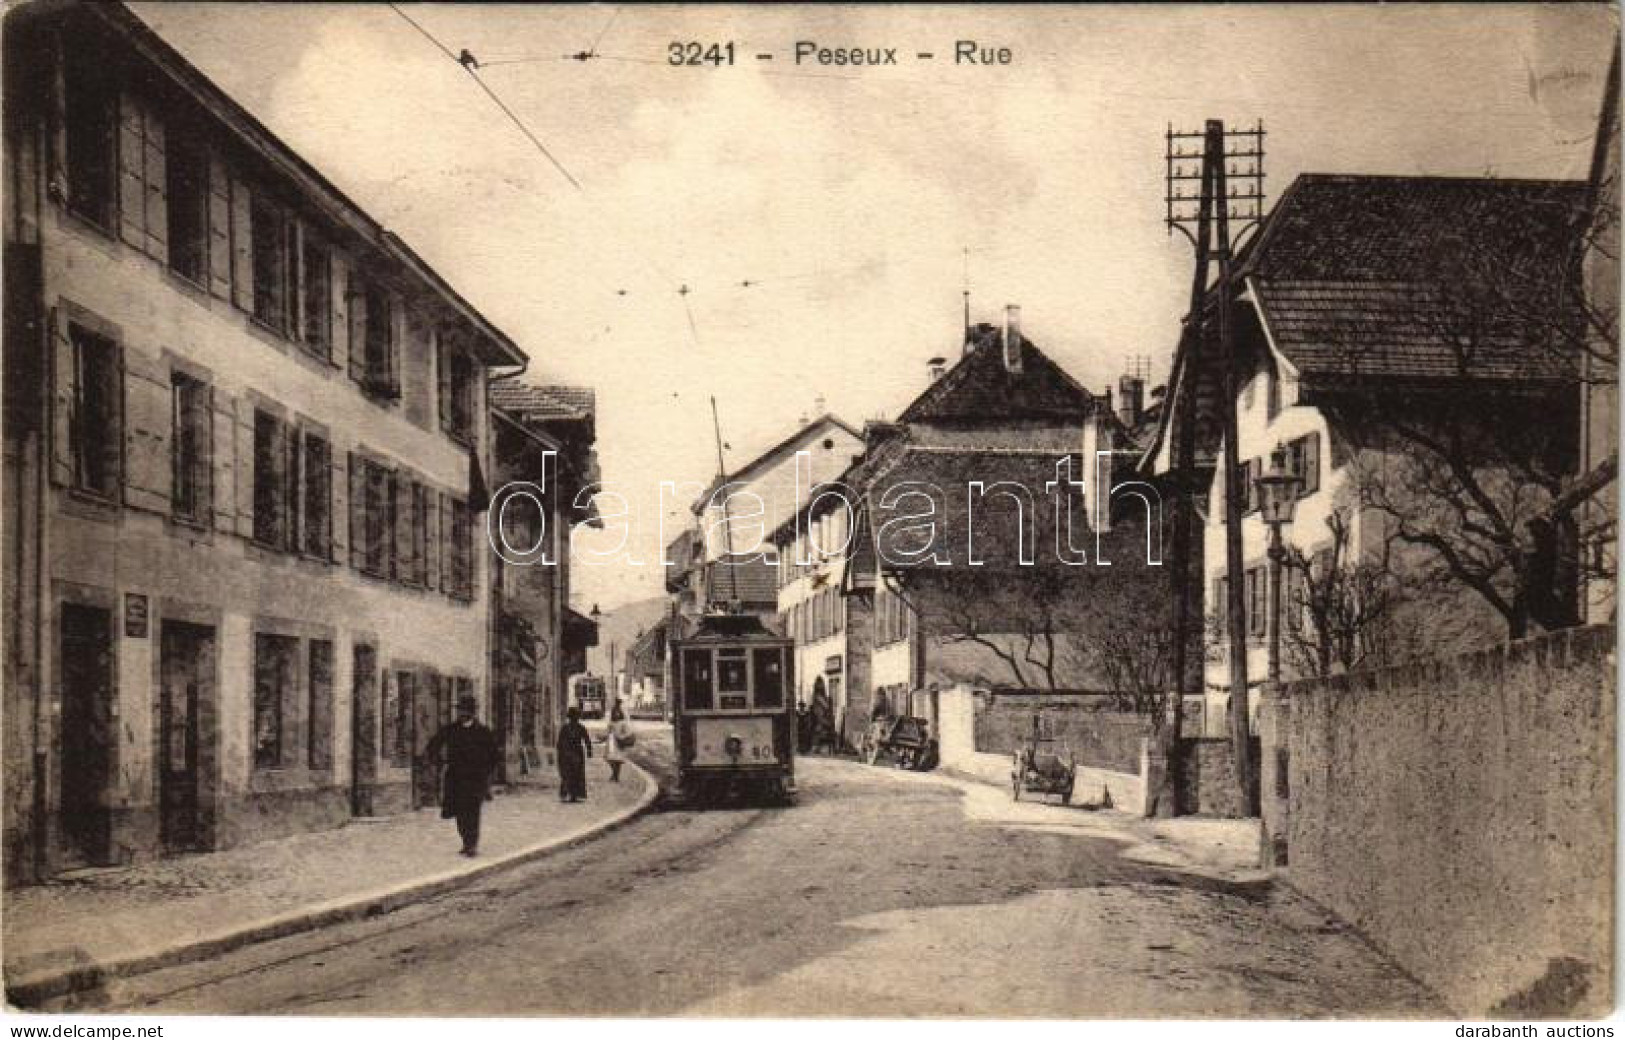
574	747
614	742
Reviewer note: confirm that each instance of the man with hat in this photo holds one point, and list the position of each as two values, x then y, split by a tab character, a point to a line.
470	752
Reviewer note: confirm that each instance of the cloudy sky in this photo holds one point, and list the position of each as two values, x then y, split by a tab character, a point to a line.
848	198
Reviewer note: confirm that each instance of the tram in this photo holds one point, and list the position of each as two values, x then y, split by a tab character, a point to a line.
588	693
734	726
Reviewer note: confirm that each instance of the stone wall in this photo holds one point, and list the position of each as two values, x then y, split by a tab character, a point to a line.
1461	814
1207	779
1100	738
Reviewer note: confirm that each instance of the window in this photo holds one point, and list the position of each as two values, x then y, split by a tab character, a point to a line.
422	499
274	473
276	672
767	667
1304	457
95	416
697	679
457	386
373	361
269	235
187	186
319	742
315	289
1256	611
459	551
1273	398
316	497
90	125
1248	473
376	511
191	494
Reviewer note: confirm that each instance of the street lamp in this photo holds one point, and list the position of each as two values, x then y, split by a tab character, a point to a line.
1277	498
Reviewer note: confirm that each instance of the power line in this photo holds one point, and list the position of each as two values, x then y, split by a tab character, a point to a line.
469	67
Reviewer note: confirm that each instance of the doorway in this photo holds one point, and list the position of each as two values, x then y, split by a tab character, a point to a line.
363	728
86	668
186	669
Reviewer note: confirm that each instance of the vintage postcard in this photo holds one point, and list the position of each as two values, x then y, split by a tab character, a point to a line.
882	512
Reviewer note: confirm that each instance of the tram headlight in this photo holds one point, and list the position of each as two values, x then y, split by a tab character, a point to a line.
733	747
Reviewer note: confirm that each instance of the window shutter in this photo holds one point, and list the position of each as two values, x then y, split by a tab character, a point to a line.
223	445
242	246
1311	463
220	246
432	537
357	485
62	399
157	184
444	549
442	361
132	189
149	411
338	506
245	467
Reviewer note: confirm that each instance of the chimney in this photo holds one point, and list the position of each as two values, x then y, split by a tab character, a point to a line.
938	366
818	405
1131	406
1012	339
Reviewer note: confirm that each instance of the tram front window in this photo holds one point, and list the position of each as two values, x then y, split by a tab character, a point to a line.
769	668
733	685
697	679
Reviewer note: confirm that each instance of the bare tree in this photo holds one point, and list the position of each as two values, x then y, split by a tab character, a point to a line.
1019	620
1336	617
1127	639
1479	469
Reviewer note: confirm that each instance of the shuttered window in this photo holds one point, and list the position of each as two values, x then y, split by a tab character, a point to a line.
459	550
378	520
191	446
275	472
315	295
89	405
90	129
315	496
1304	458
187	176
457	384
374	343
271	248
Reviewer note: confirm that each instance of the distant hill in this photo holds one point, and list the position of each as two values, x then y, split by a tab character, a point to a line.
622	626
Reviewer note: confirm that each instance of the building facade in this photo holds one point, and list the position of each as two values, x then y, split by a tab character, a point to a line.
244	424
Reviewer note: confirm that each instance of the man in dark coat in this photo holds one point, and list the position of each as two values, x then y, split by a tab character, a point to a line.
470	752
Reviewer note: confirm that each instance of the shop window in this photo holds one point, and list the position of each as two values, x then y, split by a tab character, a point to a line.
276	675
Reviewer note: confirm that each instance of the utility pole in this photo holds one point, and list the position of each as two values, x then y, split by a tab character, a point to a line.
727	521
1217	199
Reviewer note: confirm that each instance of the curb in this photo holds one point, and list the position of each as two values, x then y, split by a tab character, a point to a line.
36	990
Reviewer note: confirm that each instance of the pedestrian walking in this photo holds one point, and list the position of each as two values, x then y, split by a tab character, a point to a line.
470	752
616	740
803	728
574	747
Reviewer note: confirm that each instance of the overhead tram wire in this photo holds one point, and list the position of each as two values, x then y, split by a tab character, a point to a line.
475	76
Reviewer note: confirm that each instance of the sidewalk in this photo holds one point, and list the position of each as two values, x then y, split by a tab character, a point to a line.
69	933
1203	846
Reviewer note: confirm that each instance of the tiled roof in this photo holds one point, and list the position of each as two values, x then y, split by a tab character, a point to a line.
751	581
980	388
826	423
543	403
1393	276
